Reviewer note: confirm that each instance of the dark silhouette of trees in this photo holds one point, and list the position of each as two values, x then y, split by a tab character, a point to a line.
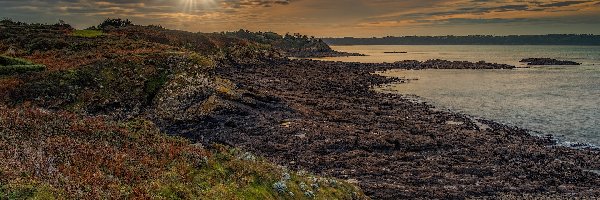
295	41
114	23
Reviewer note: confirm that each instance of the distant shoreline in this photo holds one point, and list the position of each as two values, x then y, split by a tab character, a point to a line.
553	39
463	45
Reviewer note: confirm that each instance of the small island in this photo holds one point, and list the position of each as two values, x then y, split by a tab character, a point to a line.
548	61
395	52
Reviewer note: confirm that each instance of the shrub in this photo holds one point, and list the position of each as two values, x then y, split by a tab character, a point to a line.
5	60
45	44
203	61
87	33
7	21
8	84
18	69
27	191
115	23
10	66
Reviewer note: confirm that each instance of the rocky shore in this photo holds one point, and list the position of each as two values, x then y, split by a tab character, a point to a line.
324	117
93	124
548	61
444	64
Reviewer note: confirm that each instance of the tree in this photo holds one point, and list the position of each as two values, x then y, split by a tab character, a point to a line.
115	23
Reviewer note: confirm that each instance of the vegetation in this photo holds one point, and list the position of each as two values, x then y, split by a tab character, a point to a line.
293	45
114	23
5	61
64	155
87	33
87	126
56	48
10	66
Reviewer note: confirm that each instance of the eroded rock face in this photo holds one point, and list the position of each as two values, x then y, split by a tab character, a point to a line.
548	61
183	97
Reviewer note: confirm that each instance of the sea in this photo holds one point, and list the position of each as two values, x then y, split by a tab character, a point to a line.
563	101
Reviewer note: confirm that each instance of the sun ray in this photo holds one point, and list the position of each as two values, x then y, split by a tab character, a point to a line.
194	6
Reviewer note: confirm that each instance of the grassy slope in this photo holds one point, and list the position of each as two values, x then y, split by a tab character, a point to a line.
64	155
78	130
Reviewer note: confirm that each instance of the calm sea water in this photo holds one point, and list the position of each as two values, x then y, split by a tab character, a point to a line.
559	100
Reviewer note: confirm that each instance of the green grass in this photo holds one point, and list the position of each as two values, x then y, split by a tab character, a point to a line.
10	66
87	33
233	174
25	191
154	84
5	61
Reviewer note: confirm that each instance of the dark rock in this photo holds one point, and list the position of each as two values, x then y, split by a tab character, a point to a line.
395	52
307	53
548	61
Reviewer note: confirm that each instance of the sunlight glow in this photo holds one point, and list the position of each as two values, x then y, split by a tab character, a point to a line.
193	6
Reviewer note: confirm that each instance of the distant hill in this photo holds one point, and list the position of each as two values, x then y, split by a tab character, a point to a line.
552	39
296	45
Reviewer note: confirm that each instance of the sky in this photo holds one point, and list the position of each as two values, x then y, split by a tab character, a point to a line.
326	18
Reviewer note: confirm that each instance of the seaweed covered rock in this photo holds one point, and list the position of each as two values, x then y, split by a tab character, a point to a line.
337	122
548	61
445	64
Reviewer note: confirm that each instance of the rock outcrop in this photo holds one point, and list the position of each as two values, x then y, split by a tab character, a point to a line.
548	61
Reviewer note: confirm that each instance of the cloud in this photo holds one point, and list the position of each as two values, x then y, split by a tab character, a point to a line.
125	7
460	12
562	3
456	21
179	14
319	17
253	3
